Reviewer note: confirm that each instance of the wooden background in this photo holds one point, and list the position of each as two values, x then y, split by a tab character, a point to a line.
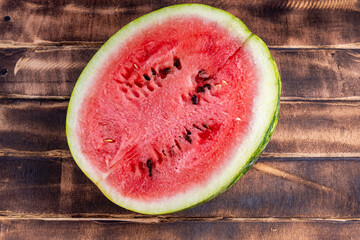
306	185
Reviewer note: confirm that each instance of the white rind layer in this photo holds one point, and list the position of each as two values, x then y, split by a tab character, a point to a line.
264	112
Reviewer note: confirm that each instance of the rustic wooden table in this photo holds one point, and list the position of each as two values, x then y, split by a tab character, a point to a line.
306	185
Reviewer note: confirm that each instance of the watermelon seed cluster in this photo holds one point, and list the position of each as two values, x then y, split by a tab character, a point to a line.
129	81
201	77
144	83
162	73
172	150
201	89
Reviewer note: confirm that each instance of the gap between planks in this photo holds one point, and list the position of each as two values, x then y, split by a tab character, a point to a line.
5	152
165	219
84	44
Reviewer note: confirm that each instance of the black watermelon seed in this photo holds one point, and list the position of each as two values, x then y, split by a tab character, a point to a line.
208	86
187	131
194	99
172	152
206	126
200	89
177	145
188	138
7	19
166	71
202	74
4	71
197	127
149	165
153	71
147	78
177	63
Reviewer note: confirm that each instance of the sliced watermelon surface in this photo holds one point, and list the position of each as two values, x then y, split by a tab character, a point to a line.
173	109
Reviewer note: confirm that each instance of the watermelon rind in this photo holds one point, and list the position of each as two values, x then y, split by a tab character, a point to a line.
265	110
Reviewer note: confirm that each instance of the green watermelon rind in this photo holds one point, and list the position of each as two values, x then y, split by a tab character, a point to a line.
269	132
255	156
84	84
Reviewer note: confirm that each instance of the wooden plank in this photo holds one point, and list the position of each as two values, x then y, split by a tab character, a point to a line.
310	128
286	188
37	229
317	128
322	74
288	23
46	73
34	72
33	126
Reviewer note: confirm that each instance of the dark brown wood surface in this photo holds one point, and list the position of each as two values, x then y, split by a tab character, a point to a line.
306	185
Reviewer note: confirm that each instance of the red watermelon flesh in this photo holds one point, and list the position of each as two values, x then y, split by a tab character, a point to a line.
144	111
168	109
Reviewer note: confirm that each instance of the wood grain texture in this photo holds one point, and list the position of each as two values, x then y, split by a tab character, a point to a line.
39	188
37	229
58	22
317	128
32	125
46	73
306	184
319	74
325	129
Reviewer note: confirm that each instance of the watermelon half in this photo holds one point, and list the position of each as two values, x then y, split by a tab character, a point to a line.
173	109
